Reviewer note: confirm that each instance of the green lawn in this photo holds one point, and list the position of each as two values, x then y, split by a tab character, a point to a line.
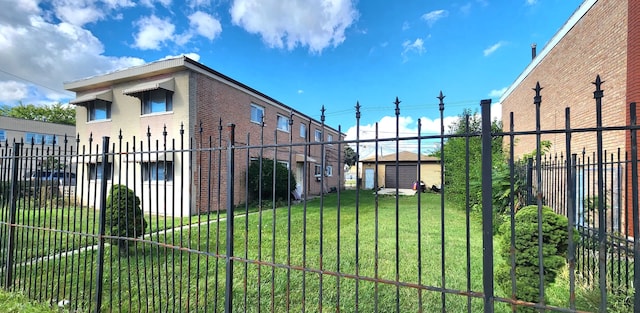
186	272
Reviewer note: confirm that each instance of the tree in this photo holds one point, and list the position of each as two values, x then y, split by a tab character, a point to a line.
350	156
124	217
55	113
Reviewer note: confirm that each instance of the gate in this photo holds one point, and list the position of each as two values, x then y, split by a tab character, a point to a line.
220	236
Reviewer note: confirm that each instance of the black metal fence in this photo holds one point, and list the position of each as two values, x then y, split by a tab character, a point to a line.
210	244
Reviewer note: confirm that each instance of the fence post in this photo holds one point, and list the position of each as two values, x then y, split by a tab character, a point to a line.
634	210
487	207
13	200
101	227
228	294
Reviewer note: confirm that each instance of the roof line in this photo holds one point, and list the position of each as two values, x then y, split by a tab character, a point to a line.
568	25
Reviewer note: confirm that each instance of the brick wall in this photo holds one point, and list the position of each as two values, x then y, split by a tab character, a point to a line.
216	101
596	45
633	88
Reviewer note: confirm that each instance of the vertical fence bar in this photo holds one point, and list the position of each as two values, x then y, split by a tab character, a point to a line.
8	273
570	209
602	243
635	214
442	189
537	100
397	220
101	229
228	293
487	208
357	209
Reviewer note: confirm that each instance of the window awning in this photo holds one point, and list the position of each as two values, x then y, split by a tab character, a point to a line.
106	95
300	159
166	84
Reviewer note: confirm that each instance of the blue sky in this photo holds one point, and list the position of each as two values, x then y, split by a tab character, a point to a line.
304	53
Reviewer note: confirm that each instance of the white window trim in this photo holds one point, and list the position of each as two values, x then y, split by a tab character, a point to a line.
315	135
316	169
330	139
288	127
303	134
261	108
328	171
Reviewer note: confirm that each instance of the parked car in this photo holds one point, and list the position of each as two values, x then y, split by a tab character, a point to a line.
59	178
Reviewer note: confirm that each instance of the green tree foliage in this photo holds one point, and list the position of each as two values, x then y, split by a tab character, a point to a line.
350	156
455	151
554	250
55	113
124	217
265	176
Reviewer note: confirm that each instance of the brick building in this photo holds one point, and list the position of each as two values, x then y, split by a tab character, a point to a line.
602	37
179	103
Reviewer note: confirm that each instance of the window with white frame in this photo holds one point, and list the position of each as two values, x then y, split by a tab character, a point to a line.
328	170
329	138
3	135
318	135
157	171
283	123
38	139
157	101
98	110
303	130
95	171
317	172
257	112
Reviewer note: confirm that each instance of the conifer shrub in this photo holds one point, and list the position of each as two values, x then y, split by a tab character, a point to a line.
554	250
124	217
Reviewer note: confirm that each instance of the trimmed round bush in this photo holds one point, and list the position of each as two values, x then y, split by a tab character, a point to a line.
256	177
527	271
124	217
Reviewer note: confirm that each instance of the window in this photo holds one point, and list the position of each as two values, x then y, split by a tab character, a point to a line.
95	171
3	136
98	110
303	130
158	171
317	172
257	112
329	138
283	123
39	139
328	171
157	101
318	135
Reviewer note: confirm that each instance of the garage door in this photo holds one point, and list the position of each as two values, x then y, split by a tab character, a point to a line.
407	174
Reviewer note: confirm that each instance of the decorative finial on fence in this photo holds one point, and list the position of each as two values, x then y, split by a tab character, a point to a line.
322	113
397	103
441	98
290	118
200	130
182	128
148	131
357	109
599	93
90	137
164	131
537	99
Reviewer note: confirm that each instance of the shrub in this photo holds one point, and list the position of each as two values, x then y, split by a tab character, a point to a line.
554	250
124	217
266	178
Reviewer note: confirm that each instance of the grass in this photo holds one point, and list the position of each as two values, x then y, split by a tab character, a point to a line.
185	270
18	303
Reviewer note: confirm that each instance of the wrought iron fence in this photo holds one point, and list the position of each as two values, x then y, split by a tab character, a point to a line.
211	242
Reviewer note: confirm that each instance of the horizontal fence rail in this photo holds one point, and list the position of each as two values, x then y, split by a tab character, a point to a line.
208	221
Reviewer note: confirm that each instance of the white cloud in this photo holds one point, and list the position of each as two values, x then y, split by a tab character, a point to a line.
497	93
434	16
13	91
18	12
43	55
153	32
198	3
316	24
531	2
81	12
493	48
300	91
151	3
407	127
205	25
496	111
192	56
417	46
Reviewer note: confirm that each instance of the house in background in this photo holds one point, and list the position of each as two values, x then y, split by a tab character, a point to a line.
178	103
407	169
37	135
602	37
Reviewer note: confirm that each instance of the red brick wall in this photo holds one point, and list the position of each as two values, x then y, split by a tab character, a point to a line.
214	100
633	88
595	45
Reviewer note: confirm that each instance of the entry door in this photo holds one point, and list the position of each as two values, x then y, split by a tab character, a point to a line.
368	178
